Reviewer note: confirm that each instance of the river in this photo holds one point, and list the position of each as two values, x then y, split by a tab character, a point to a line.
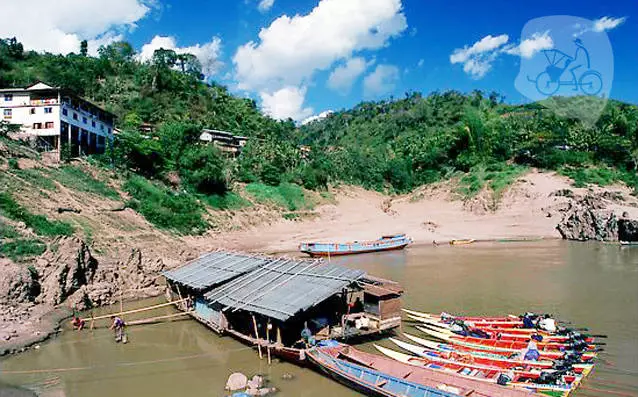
590	284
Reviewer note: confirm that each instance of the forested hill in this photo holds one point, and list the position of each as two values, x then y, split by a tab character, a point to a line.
391	145
415	140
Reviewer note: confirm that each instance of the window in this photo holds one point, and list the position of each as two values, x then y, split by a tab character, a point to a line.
84	120
8	97
75	116
48	124
109	131
93	123
7	112
65	112
32	111
48	110
37	126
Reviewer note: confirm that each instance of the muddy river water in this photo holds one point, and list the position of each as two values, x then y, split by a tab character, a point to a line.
593	285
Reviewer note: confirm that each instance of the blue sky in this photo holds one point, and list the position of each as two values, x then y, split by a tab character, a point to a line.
318	55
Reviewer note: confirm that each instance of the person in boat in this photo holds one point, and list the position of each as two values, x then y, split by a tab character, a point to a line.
356	306
547	323
77	323
531	353
118	327
528	321
306	335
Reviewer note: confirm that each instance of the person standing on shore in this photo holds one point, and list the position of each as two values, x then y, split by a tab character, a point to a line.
118	326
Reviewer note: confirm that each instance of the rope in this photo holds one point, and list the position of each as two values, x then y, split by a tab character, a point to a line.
119	365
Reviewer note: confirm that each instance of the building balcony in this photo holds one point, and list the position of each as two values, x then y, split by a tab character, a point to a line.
43	101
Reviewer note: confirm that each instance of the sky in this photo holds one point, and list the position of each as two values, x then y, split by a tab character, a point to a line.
305	58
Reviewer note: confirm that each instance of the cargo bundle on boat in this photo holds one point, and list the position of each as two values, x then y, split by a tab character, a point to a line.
270	302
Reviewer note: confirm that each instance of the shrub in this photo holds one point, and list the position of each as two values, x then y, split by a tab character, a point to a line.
38	223
286	195
180	212
203	170
22	248
228	201
77	179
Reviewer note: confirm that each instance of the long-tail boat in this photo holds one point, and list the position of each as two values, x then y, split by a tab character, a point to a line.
423	376
503	321
544	354
481	360
507	344
446	349
385	243
510	334
369	381
557	384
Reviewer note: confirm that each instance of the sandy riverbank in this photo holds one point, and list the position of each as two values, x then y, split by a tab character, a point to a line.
529	209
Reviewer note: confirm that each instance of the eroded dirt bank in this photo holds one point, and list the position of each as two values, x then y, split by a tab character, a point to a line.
126	254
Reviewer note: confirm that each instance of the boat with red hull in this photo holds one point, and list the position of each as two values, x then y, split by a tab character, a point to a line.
505	351
385	243
423	376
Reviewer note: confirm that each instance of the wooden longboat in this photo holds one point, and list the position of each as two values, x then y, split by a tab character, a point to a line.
544	355
506	333
385	243
486	375
461	242
424	376
498	343
368	381
427	347
509	334
459	362
502	321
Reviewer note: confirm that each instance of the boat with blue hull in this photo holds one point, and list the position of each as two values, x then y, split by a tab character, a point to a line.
385	243
369	381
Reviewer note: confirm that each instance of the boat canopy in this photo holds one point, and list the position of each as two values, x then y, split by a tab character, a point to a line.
284	287
214	268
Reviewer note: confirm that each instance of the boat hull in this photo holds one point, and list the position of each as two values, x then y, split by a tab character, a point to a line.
366	251
385	243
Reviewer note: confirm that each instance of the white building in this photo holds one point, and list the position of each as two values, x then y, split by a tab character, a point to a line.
54	118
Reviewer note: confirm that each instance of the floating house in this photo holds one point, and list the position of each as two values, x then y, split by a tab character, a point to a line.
269	302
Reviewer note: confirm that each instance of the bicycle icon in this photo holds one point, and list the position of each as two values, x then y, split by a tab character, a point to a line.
549	81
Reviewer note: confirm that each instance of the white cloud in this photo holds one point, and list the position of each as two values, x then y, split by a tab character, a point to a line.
477	60
342	78
316	117
420	63
381	81
292	49
208	54
484	46
59	26
265	5
607	23
286	102
532	45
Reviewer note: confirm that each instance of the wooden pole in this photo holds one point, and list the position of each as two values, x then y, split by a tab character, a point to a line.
268	325
134	311
153	319
261	356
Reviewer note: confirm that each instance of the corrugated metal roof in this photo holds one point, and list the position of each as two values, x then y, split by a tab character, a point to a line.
216	267
284	287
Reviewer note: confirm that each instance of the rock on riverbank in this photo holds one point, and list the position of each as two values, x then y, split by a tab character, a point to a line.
590	218
34	298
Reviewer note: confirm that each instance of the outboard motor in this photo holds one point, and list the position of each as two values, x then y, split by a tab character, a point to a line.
550	378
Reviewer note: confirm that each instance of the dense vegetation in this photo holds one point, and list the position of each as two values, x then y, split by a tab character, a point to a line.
391	145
